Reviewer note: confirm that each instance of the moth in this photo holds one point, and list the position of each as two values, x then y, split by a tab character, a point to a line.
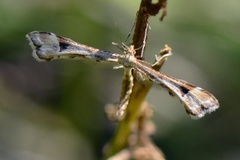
47	46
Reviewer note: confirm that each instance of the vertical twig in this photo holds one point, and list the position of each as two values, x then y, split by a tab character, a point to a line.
146	9
139	90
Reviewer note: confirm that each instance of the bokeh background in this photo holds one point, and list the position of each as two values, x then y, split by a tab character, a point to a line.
55	110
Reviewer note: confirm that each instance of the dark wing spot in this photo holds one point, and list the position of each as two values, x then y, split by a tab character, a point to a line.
204	108
99	58
44	32
63	46
184	89
152	78
37	46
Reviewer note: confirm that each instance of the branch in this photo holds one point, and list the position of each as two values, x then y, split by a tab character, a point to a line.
139	90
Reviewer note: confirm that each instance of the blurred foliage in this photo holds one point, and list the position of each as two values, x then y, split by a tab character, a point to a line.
55	110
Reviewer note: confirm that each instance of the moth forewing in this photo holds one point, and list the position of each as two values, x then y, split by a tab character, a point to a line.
196	101
47	46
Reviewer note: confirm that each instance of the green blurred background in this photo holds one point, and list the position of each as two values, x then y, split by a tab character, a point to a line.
55	110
